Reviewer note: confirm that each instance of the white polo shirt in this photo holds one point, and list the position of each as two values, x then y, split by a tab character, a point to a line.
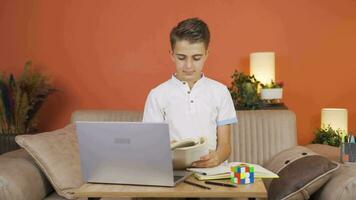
191	113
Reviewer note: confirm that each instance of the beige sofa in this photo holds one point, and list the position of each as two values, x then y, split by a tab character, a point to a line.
257	137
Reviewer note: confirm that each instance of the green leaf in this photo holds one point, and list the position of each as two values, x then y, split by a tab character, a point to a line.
327	136
243	91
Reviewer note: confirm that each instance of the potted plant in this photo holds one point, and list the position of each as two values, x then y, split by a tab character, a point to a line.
244	91
271	91
327	135
20	100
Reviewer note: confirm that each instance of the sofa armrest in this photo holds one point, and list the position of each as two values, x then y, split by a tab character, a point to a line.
21	178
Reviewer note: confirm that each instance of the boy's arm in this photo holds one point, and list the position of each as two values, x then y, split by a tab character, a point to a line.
224	142
222	152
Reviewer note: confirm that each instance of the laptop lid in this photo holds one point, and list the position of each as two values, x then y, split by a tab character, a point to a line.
125	153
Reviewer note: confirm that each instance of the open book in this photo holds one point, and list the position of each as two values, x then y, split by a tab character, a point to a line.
223	171
186	151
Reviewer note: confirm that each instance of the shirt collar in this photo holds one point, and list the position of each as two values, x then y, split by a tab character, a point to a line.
180	83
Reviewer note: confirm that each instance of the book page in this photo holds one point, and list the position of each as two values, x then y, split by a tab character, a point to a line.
260	172
184	154
221	169
189	142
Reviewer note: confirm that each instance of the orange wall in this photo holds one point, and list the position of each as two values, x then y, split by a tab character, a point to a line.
109	54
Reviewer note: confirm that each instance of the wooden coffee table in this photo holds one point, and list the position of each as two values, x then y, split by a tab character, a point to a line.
181	190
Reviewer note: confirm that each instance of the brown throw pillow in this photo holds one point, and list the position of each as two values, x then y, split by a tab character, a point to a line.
301	172
57	155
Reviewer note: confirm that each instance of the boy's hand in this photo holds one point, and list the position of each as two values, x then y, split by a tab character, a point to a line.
210	160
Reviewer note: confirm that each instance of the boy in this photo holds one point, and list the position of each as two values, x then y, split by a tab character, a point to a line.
192	104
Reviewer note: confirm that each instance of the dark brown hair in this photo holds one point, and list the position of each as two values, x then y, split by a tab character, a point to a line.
193	30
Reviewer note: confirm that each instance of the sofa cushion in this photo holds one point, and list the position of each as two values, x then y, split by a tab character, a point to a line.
342	186
301	172
57	155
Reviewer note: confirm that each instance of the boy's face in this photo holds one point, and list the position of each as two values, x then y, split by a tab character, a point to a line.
189	59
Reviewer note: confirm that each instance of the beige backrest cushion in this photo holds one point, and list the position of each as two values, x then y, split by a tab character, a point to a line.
106	115
57	154
301	173
260	134
330	152
257	137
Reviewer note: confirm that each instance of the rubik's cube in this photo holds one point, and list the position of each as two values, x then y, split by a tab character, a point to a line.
242	174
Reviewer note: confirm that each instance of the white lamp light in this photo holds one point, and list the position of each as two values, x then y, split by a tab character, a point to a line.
335	117
262	66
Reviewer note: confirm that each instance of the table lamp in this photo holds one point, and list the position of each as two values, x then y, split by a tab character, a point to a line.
262	66
336	118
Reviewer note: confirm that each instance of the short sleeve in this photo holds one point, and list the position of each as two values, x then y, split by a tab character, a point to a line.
226	109
152	111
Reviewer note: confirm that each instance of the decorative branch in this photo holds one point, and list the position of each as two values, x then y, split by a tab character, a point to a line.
20	100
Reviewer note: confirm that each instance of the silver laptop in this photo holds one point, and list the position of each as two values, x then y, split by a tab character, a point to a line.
127	153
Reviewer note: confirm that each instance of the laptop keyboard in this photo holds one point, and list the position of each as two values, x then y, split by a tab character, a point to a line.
176	178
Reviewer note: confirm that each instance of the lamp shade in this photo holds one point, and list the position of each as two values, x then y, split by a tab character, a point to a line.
262	65
335	117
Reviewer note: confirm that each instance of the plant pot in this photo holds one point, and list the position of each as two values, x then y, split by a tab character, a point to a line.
271	93
7	142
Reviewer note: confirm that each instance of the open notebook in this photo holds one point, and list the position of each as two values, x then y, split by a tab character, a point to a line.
223	171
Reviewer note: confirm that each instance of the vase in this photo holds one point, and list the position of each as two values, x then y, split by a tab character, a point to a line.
7	142
271	93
